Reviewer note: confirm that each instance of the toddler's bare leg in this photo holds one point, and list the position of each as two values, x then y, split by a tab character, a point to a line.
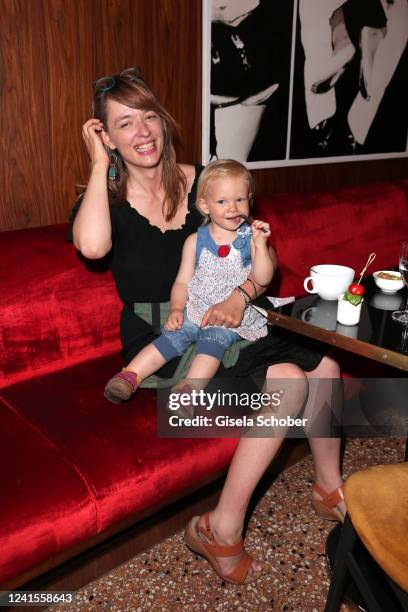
202	369
148	361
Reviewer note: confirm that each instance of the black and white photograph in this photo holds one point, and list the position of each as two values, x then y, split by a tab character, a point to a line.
247	53
350	78
305	81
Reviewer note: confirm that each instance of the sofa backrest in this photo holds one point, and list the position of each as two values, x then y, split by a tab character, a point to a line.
57	309
340	227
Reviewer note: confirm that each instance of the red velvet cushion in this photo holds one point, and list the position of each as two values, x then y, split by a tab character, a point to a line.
54	311
46	505
114	448
342	227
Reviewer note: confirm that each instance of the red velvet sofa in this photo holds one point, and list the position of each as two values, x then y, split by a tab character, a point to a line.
74	468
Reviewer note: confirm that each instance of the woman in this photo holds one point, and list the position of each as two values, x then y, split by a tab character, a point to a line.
140	217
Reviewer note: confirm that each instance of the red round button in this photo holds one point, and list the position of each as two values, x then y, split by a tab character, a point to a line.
223	250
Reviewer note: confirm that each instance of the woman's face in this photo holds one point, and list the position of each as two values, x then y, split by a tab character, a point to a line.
137	134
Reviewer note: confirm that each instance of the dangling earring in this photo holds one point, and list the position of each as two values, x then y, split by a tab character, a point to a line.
113	171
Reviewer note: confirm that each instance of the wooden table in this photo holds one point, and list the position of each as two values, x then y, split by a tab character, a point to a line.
377	336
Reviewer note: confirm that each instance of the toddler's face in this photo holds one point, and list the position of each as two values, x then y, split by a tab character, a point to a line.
226	199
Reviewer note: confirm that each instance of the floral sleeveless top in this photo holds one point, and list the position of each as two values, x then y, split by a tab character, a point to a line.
215	278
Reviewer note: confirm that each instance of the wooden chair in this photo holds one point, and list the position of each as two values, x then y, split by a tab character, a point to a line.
377	519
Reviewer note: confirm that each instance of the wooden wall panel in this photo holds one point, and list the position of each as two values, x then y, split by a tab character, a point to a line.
23	134
52	50
329	176
66	26
173	28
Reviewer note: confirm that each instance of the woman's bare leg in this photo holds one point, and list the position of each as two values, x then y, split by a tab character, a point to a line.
323	385
252	457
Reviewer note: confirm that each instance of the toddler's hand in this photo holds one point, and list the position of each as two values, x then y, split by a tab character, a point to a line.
174	320
260	232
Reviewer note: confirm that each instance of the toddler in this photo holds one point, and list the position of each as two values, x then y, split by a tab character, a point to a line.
224	253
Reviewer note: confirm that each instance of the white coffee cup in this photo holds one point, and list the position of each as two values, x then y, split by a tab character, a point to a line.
329	281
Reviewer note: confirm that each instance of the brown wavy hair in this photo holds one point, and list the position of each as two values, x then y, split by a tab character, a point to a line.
130	89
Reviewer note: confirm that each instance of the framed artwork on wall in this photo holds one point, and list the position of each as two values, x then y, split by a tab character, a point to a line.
294	82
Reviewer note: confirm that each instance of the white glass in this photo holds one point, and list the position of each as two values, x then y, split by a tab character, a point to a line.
348	314
401	316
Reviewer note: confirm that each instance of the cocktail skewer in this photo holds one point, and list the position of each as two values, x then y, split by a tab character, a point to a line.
370	260
355	289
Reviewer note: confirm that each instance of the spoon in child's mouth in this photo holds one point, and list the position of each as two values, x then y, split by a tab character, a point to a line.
250	220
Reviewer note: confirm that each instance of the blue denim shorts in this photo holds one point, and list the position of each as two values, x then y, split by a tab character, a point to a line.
212	341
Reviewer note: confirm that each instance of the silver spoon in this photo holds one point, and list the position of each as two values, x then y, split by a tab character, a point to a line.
250	220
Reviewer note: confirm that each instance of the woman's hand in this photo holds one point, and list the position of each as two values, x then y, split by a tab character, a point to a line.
228	313
174	320
91	133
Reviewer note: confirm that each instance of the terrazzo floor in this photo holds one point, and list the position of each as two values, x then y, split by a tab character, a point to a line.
283	531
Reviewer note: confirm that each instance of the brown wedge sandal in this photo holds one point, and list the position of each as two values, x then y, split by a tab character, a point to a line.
201	540
326	507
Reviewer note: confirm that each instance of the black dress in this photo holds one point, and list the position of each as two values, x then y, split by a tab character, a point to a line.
144	262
